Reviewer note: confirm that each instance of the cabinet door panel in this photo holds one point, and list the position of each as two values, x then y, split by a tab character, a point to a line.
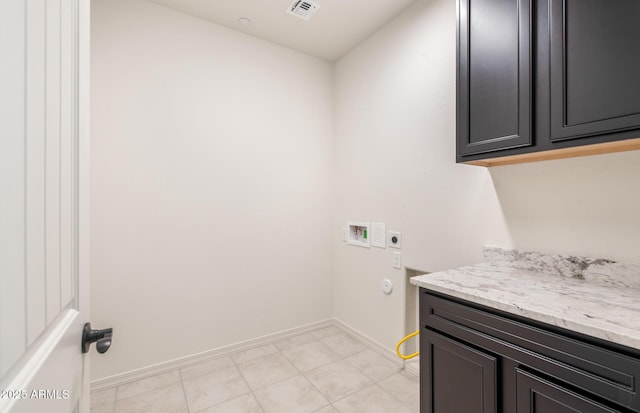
594	60
494	75
536	395
455	377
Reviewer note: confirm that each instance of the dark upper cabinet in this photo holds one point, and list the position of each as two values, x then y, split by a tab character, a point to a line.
539	76
494	75
594	63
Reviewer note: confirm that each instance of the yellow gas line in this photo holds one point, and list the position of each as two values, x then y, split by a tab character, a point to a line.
410	356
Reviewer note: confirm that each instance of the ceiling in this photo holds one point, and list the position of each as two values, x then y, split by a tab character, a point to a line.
336	27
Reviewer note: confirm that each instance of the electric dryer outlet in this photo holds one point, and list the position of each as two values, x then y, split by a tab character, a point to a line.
395	239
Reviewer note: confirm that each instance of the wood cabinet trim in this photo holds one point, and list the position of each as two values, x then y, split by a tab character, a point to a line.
573	152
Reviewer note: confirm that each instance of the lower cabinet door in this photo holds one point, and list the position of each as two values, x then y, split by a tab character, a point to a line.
456	377
541	396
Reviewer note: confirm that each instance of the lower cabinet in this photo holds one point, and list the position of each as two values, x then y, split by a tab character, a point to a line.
477	360
536	395
461	379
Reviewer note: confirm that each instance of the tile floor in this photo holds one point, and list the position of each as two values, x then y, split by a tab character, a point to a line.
323	371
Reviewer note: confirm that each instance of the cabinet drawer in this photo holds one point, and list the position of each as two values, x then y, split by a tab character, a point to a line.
594	369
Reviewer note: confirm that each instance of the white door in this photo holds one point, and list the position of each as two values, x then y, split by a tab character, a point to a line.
44	74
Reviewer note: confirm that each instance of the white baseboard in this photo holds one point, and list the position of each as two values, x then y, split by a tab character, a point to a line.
148	371
379	348
164	367
413	366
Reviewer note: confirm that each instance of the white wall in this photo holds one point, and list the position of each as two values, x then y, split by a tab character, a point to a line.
211	156
213	214
582	206
395	159
395	145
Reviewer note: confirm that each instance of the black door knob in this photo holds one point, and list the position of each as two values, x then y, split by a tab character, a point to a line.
102	338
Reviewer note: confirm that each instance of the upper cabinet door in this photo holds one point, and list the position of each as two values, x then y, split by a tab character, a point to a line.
494	75
594	63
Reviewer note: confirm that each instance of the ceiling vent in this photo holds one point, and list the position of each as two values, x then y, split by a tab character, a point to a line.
303	9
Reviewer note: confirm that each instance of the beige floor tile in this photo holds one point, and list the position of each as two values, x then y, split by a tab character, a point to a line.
310	356
343	344
145	385
294	395
372	399
295	341
206	367
214	388
98	398
243	404
254	353
272	371
267	370
104	408
337	380
169	399
373	365
405	387
327	409
325	332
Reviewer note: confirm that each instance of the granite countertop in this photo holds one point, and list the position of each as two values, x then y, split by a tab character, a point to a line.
596	297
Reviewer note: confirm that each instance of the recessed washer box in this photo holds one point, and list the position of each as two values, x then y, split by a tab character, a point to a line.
358	234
